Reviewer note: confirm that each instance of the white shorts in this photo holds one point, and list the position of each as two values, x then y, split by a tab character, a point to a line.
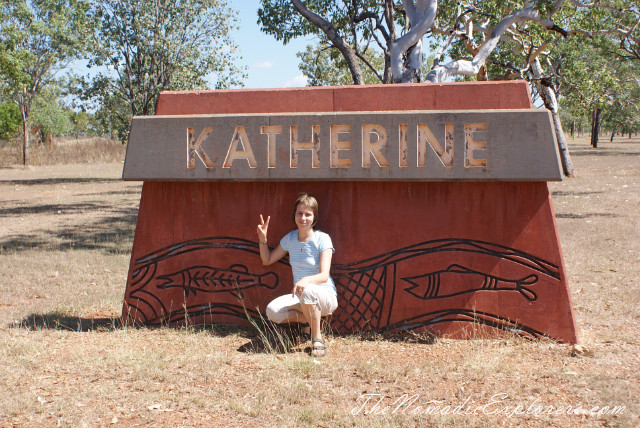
279	308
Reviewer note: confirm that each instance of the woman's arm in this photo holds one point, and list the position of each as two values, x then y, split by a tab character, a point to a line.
267	256
321	277
270	257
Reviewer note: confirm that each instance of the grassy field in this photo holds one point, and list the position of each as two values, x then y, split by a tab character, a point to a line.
66	232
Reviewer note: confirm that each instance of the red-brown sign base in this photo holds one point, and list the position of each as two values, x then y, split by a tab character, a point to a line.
454	258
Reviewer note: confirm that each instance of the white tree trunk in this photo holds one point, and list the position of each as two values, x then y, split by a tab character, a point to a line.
421	15
551	103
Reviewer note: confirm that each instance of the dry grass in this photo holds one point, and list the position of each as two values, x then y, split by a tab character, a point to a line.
64	151
65	235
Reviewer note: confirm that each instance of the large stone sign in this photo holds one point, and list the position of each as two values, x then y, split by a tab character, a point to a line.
490	145
435	197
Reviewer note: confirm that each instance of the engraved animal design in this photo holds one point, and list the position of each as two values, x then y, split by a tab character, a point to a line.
215	280
366	287
455	280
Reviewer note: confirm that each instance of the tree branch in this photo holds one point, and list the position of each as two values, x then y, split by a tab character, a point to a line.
335	38
470	68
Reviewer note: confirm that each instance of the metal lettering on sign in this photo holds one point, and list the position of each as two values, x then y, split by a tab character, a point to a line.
491	145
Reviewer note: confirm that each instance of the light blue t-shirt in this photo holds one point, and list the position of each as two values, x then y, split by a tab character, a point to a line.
304	257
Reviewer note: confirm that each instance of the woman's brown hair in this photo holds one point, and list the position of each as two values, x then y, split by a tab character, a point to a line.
308	201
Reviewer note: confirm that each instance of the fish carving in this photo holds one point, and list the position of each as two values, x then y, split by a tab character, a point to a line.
456	280
215	280
366	288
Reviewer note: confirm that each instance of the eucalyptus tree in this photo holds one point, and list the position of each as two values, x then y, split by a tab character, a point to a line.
38	38
514	35
626	31
517	40
355	28
591	82
143	47
50	112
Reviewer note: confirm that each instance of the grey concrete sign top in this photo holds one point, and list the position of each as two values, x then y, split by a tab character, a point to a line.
483	145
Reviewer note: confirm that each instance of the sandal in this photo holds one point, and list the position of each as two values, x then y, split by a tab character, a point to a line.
319	349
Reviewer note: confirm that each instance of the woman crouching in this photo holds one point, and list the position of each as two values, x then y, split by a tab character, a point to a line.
314	293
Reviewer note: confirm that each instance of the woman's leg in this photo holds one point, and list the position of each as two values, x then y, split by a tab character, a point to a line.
313	316
317	302
285	309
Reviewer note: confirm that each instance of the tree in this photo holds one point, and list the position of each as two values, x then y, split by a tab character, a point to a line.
623	116
356	27
474	34
626	31
80	122
590	81
144	47
324	66
516	41
37	39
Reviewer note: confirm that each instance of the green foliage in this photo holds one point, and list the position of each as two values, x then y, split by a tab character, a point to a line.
587	71
281	19
591	75
10	120
37	39
50	114
152	46
352	21
80	122
324	66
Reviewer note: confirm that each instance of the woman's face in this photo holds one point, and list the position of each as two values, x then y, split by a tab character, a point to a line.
304	216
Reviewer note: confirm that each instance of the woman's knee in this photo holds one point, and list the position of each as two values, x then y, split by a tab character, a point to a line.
324	300
309	295
274	314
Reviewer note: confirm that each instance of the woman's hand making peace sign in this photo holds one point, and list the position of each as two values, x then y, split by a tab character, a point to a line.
268	256
263	227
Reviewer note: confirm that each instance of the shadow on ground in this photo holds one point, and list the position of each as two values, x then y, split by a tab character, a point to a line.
112	233
278	339
57	321
283	341
79	208
49	181
604	149
583	193
100	322
588	215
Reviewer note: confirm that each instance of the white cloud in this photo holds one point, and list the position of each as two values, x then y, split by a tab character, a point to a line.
264	64
296	82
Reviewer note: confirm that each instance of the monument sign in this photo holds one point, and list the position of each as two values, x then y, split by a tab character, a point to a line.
435	197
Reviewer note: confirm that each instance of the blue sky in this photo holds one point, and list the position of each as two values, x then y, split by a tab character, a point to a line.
270	64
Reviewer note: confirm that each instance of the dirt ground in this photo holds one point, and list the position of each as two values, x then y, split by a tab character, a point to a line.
65	238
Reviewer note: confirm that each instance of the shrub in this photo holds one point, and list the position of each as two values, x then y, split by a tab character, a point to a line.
10	120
